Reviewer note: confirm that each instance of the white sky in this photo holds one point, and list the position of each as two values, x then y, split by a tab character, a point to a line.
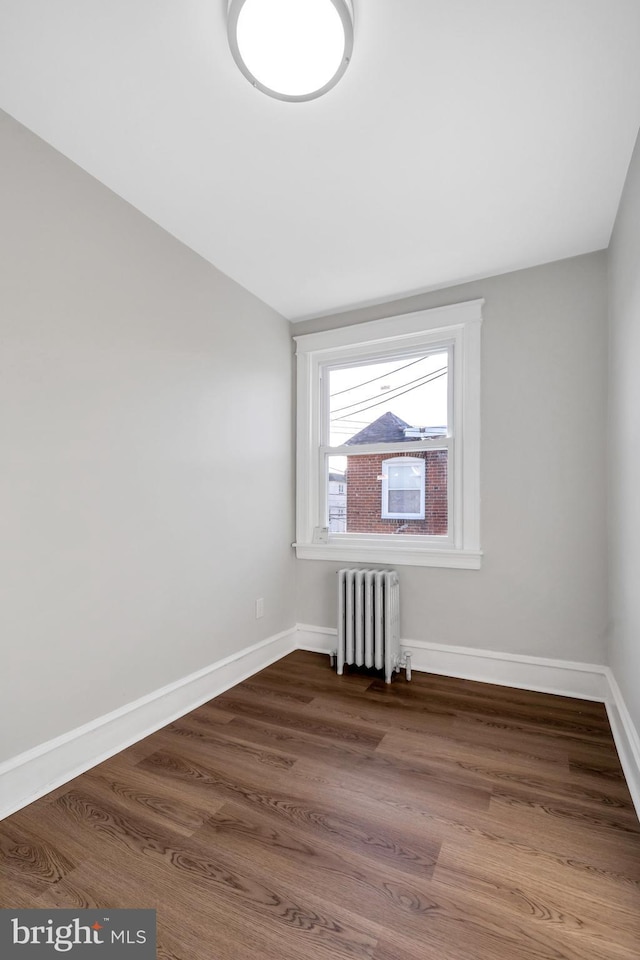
362	394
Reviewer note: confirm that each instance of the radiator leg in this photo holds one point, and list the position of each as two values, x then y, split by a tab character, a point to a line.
404	662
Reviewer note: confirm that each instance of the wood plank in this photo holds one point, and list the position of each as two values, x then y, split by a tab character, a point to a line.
302	816
363	826
231	889
536	891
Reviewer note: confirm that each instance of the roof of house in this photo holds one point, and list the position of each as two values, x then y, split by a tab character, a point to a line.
390	428
386	429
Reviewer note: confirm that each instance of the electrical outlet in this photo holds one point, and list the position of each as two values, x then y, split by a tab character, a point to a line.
259	608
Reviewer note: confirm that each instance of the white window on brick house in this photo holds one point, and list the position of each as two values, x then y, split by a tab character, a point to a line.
403	488
394	407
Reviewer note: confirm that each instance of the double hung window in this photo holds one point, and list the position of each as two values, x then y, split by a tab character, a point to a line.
388	437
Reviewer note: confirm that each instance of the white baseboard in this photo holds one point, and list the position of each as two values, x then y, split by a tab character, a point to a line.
564	677
34	773
316	639
626	738
586	681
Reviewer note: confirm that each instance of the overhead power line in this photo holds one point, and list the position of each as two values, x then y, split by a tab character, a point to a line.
425	377
392	394
382	376
435	376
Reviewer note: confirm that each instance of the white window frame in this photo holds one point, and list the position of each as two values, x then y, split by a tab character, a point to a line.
455	328
386	514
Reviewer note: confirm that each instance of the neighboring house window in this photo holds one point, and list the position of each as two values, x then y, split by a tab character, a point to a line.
391	411
403	488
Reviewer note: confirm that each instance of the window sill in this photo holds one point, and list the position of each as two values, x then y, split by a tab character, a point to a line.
382	553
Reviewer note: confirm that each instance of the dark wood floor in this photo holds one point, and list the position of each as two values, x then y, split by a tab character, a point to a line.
302	816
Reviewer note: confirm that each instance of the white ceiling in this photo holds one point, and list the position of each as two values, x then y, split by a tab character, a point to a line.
467	138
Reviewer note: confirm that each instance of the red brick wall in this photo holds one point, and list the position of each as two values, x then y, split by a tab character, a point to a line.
364	495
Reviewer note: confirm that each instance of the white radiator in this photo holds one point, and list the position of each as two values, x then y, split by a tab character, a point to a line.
369	621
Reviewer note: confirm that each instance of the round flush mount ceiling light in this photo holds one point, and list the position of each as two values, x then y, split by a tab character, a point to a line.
291	49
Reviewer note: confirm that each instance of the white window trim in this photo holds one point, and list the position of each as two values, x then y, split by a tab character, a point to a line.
458	325
407	462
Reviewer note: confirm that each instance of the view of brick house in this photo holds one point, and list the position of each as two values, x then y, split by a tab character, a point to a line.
387	495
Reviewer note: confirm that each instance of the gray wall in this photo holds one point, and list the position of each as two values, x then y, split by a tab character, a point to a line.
542	587
624	432
145	452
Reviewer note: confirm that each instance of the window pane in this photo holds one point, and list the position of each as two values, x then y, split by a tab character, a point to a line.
404	501
390	401
359	508
407	477
337	495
